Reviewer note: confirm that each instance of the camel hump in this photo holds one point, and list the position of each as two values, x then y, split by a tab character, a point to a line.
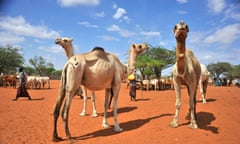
98	48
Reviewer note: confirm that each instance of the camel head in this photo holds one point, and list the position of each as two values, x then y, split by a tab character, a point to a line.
138	48
180	30
66	43
135	50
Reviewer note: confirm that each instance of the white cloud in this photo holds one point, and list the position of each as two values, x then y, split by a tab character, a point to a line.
19	26
216	6
101	14
150	34
52	49
226	35
108	38
119	13
87	24
69	3
182	1
114	6
8	38
232	12
182	12
122	32
127	19
113	28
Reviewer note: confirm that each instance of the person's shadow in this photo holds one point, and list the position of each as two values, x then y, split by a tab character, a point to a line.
24	98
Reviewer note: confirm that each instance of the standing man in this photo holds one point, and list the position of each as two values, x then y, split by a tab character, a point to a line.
132	82
22	91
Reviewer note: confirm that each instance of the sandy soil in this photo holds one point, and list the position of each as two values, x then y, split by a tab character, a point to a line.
143	121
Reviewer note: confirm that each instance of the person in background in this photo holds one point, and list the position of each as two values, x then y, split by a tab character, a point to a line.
132	82
22	91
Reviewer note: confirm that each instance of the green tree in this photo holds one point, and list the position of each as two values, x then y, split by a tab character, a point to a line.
41	66
10	59
236	71
216	69
154	60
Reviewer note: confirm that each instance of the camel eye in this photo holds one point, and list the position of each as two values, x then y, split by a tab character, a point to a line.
140	47
65	40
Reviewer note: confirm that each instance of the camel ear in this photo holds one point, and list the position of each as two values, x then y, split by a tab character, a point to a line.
187	28
134	46
174	29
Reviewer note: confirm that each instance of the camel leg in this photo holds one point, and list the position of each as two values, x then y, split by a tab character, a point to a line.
83	113
104	122
115	107
204	91
174	122
94	113
65	112
49	84
192	108
56	114
111	96
201	90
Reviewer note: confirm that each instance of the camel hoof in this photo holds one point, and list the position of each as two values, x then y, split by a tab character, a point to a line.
94	115
57	139
117	129
204	101
188	117
105	125
82	114
193	125
173	124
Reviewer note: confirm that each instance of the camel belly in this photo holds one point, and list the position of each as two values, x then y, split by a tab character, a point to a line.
98	76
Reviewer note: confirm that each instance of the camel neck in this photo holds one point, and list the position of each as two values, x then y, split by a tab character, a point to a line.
69	51
180	56
132	60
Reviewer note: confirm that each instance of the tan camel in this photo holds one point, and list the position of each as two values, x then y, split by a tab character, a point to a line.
186	71
96	70
203	82
66	43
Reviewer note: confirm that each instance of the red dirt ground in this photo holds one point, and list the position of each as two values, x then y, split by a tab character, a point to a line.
143	121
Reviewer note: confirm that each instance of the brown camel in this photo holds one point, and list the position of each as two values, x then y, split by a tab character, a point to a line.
96	70
66	43
186	71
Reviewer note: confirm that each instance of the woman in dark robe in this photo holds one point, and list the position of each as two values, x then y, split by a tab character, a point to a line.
22	90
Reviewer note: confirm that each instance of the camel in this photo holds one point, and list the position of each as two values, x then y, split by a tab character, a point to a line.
203	82
186	71
96	70
66	44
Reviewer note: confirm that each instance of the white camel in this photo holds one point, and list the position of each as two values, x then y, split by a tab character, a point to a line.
66	44
186	71
96	70
203	82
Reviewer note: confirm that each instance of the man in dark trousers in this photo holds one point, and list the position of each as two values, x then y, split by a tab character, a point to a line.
22	91
132	82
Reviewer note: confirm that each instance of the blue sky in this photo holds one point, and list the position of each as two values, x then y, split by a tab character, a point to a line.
33	25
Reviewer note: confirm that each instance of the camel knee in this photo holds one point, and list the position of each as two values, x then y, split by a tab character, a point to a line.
178	105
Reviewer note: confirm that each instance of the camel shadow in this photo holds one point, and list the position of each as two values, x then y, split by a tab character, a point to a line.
204	122
120	110
143	99
127	126
208	100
